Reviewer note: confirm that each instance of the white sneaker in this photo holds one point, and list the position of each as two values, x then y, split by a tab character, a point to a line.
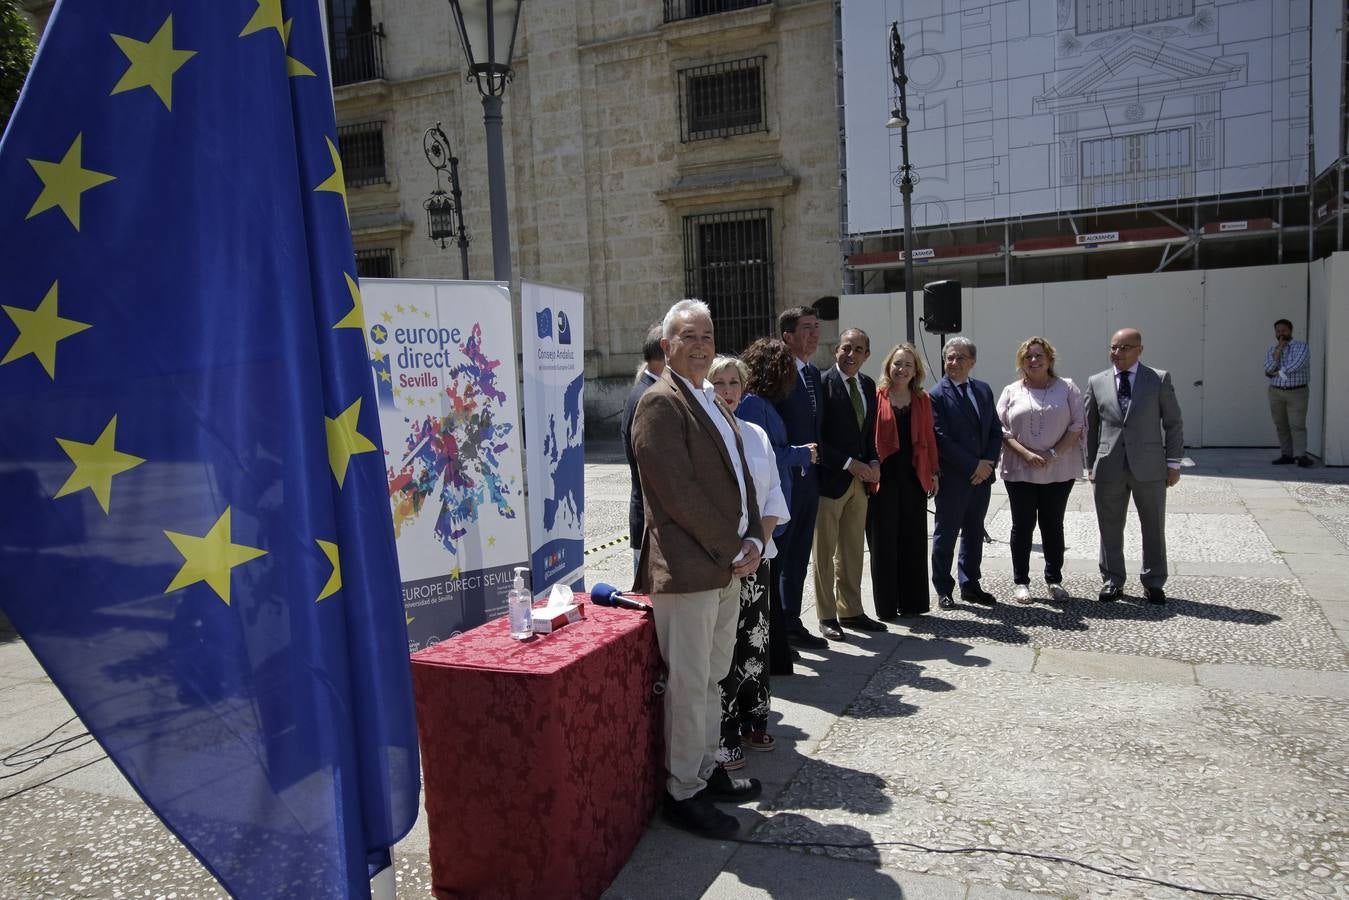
1022	594
1057	593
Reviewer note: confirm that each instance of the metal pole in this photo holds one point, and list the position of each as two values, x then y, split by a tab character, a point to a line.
496	189
905	178
459	215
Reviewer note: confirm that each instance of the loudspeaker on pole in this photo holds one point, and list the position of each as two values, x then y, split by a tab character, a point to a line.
941	307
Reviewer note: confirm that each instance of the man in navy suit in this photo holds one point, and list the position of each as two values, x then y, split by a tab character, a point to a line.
653	363
969	439
848	462
800	411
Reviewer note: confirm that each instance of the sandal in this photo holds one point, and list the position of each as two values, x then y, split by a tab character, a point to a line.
757	740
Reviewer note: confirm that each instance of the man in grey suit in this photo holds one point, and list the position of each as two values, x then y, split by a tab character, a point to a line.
1135	440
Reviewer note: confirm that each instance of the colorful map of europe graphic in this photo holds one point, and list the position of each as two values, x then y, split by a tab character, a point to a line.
457	451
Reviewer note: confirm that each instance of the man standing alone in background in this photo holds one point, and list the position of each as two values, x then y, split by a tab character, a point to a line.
1288	368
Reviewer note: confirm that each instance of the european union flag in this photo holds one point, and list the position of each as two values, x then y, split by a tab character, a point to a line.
544	320
196	539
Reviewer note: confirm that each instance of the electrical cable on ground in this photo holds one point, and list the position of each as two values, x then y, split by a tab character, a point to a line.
920	848
35	753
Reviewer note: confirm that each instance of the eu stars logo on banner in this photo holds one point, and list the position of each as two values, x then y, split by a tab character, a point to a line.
544	320
196	541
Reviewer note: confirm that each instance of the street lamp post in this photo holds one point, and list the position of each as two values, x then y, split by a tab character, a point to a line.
445	212
487	30
899	118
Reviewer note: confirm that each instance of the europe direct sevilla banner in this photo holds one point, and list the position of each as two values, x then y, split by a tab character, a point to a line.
552	320
442	354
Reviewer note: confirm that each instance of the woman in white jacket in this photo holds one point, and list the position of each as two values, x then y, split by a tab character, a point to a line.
745	695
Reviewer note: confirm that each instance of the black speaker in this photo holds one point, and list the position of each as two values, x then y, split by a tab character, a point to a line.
941	307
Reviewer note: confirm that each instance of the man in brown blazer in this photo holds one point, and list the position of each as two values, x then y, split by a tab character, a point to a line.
702	533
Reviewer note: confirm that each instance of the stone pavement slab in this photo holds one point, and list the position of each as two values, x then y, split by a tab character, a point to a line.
1201	742
1213	788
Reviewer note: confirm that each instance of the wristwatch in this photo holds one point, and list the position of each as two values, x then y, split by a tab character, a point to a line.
1053	454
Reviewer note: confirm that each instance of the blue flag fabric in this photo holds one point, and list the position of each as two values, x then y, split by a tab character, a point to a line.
544	320
196	539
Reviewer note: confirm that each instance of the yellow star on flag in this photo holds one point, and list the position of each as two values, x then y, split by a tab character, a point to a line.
96	464
385	376
407	619
210	558
398	392
40	330
335	182
413	309
335	579
344	441
454	573
63	182
356	317
491	541
386	316
399	307
267	15
153	63
294	68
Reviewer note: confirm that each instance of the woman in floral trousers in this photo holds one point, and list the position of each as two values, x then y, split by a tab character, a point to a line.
745	694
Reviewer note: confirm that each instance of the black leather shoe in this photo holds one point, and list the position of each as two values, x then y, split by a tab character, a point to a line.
722	788
863	623
978	595
832	630
1305	462
1284	461
699	816
1110	592
945	602
799	637
1155	595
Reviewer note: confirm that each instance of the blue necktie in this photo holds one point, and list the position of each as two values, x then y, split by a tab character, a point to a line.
1125	394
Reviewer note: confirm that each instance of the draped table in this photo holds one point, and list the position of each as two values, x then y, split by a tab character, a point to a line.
541	759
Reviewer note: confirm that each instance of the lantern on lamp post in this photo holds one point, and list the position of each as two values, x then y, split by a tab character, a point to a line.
487	31
445	212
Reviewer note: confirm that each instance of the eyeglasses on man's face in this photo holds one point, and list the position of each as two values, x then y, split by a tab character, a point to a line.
1123	348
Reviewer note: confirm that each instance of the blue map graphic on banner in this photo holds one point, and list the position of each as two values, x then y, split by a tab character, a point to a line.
566	463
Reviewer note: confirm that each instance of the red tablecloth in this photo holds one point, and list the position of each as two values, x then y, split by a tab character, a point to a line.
542	758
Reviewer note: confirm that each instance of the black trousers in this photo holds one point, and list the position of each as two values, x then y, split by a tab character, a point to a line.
1044	503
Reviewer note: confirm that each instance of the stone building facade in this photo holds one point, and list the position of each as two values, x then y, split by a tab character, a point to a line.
647	159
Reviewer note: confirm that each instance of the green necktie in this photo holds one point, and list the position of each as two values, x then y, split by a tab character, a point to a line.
857	406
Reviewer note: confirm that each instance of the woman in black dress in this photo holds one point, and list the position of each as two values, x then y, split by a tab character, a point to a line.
897	517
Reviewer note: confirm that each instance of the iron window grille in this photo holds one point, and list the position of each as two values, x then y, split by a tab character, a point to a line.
1107	15
376	263
722	99
362	150
675	10
728	264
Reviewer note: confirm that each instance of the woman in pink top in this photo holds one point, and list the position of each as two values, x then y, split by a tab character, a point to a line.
1042	419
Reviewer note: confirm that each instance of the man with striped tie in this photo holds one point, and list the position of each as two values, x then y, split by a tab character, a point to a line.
800	411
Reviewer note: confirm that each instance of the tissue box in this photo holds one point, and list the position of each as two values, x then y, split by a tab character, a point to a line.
551	618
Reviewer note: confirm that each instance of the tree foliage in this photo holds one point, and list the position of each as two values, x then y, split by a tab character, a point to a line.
16	55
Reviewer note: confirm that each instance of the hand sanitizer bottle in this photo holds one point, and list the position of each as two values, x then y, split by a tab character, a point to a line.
520	607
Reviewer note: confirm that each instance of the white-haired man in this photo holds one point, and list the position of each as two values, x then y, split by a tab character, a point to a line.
702	533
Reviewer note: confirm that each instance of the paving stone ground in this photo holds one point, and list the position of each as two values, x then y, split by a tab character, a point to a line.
1201	743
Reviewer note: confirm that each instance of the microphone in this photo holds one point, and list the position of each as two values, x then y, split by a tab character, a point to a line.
607	595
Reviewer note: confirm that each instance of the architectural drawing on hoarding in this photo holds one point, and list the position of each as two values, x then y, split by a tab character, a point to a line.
1022	107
